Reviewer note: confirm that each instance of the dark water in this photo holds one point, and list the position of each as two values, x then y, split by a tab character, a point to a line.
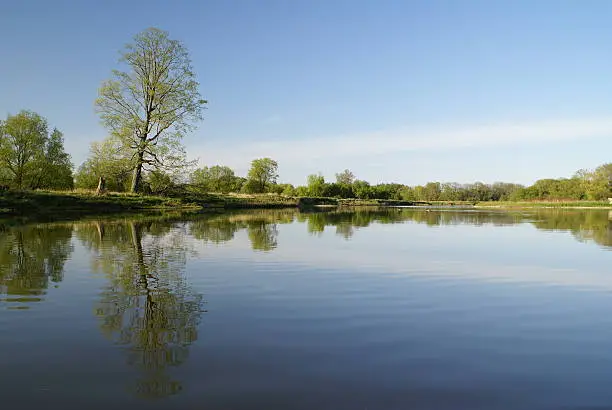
394	309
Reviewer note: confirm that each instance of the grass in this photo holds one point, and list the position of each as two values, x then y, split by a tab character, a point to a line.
57	205
545	204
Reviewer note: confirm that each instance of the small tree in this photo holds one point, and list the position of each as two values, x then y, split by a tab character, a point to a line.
345	177
316	185
263	173
151	106
109	163
216	179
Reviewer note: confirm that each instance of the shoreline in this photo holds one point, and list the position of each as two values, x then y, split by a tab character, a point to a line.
51	206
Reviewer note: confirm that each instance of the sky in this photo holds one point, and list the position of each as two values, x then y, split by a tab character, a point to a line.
394	90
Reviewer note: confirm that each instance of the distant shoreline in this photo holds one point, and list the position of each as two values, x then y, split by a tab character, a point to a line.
50	205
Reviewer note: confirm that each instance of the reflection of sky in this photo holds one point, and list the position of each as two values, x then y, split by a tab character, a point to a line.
519	253
397	306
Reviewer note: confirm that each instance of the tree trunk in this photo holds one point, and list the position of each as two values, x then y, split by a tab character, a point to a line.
137	174
101	186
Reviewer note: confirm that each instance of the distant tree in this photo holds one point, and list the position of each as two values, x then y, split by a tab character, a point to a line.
263	173
57	167
502	191
345	177
362	189
216	179
337	190
301	191
406	193
151	106
432	191
283	189
30	158
600	187
316	185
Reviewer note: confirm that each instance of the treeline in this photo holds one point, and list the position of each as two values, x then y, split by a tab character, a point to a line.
32	157
593	185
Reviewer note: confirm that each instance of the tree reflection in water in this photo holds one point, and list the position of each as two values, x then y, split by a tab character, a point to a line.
30	257
147	306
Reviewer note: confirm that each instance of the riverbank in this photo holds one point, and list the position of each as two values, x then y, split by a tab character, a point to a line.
545	204
53	205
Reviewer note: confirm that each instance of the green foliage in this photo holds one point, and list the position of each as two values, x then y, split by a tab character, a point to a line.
316	185
600	186
362	189
159	182
338	190
593	185
150	107
147	306
57	167
30	158
32	257
217	179
263	174
107	159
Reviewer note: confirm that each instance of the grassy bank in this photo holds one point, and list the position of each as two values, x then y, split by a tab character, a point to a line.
545	204
51	205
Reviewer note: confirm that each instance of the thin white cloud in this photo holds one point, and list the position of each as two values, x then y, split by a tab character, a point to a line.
414	139
299	157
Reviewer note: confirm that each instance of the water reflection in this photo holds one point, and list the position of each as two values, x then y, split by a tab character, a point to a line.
147	305
155	249
261	226
30	258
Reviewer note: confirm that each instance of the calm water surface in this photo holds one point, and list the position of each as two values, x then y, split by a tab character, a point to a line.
388	309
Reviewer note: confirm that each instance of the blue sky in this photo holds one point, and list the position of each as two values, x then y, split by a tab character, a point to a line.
403	91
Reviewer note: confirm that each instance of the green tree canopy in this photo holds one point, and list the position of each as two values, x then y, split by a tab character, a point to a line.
151	106
600	186
30	158
107	159
263	173
316	185
217	178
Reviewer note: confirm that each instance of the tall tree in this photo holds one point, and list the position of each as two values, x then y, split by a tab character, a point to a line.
152	106
263	173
